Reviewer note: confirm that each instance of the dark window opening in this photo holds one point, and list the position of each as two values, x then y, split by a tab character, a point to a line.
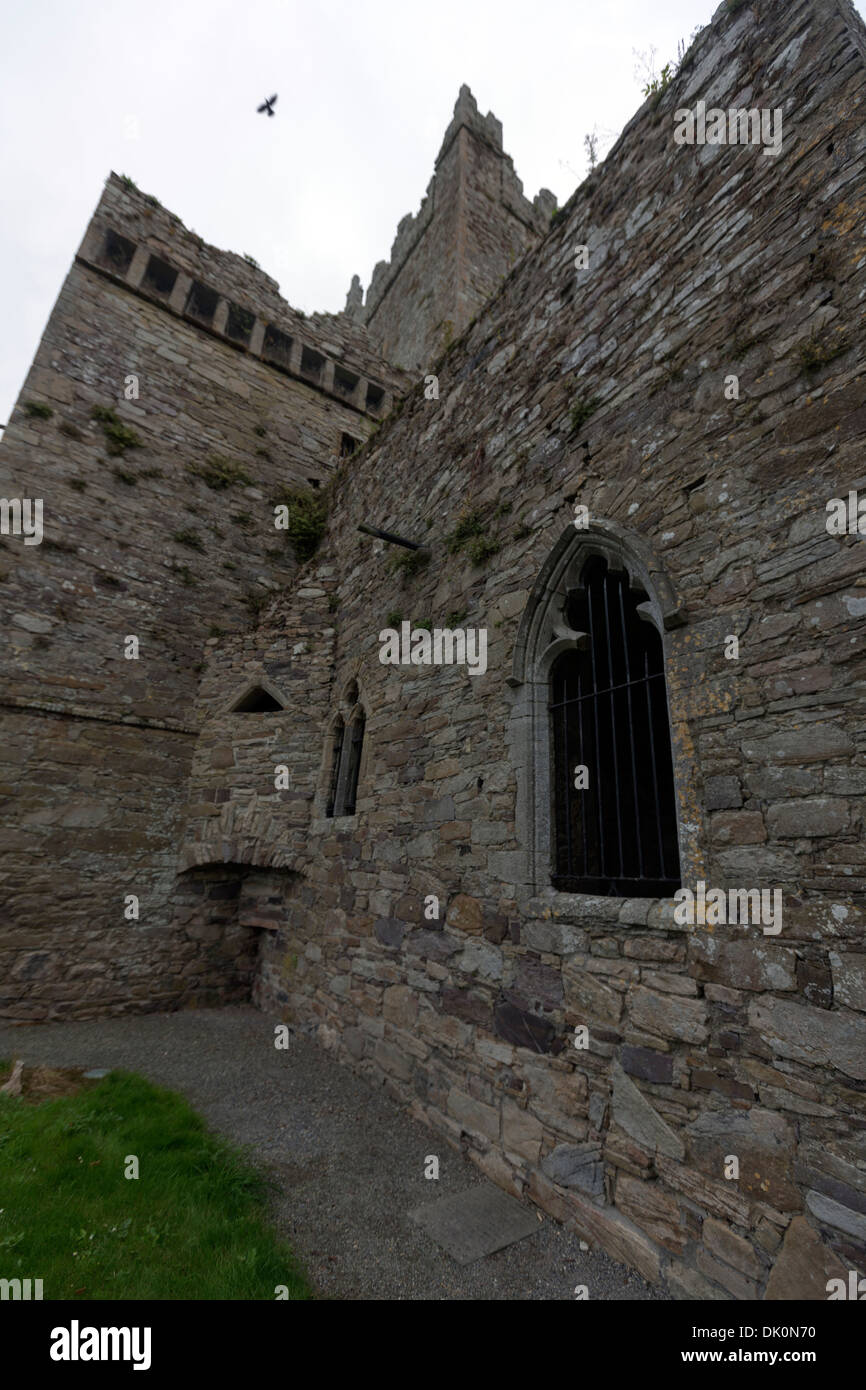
312	363
315	482
616	831
348	445
339	734
160	277
201	302
346	764
345	382
355	744
117	253
277	347
375	397
240	324
258	701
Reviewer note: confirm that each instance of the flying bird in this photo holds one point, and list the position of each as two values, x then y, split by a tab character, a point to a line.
268	105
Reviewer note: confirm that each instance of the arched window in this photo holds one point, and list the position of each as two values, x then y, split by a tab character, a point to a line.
339	735
615	825
589	733
347	746
356	740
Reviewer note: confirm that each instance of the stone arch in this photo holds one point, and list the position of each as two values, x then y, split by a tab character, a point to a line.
543	635
247	853
231	904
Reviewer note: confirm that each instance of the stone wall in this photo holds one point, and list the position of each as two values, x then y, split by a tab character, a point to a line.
473	224
165	534
704	262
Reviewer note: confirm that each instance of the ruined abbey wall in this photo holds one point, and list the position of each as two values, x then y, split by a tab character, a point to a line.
420	937
166	534
704	263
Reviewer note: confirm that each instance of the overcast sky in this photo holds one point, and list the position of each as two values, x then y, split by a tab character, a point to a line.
166	92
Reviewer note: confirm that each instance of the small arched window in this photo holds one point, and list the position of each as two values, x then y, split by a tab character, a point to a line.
259	698
348	742
356	741
615	823
339	735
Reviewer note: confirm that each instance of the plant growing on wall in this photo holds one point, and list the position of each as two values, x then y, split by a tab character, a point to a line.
219	473
469	536
118	436
408	563
816	352
189	538
305	517
582	408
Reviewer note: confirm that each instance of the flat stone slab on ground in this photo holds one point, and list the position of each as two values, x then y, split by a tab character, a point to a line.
476	1222
347	1162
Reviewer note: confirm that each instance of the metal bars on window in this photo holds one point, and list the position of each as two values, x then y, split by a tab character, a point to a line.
614	802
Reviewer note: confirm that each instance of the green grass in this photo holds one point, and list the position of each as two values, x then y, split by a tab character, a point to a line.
193	1225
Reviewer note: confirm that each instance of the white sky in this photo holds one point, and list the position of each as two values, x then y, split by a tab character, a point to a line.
366	89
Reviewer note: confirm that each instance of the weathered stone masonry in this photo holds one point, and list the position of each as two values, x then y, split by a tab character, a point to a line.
96	749
473	224
704	262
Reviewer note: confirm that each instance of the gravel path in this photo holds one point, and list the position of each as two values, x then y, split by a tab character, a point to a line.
348	1161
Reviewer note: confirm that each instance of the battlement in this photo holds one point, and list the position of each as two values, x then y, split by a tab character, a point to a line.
488	129
139	244
473	223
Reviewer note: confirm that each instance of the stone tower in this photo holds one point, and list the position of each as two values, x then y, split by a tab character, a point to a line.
473	225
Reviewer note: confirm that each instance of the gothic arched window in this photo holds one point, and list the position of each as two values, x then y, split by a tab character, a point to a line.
336	757
590	732
347	746
614	808
356	741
